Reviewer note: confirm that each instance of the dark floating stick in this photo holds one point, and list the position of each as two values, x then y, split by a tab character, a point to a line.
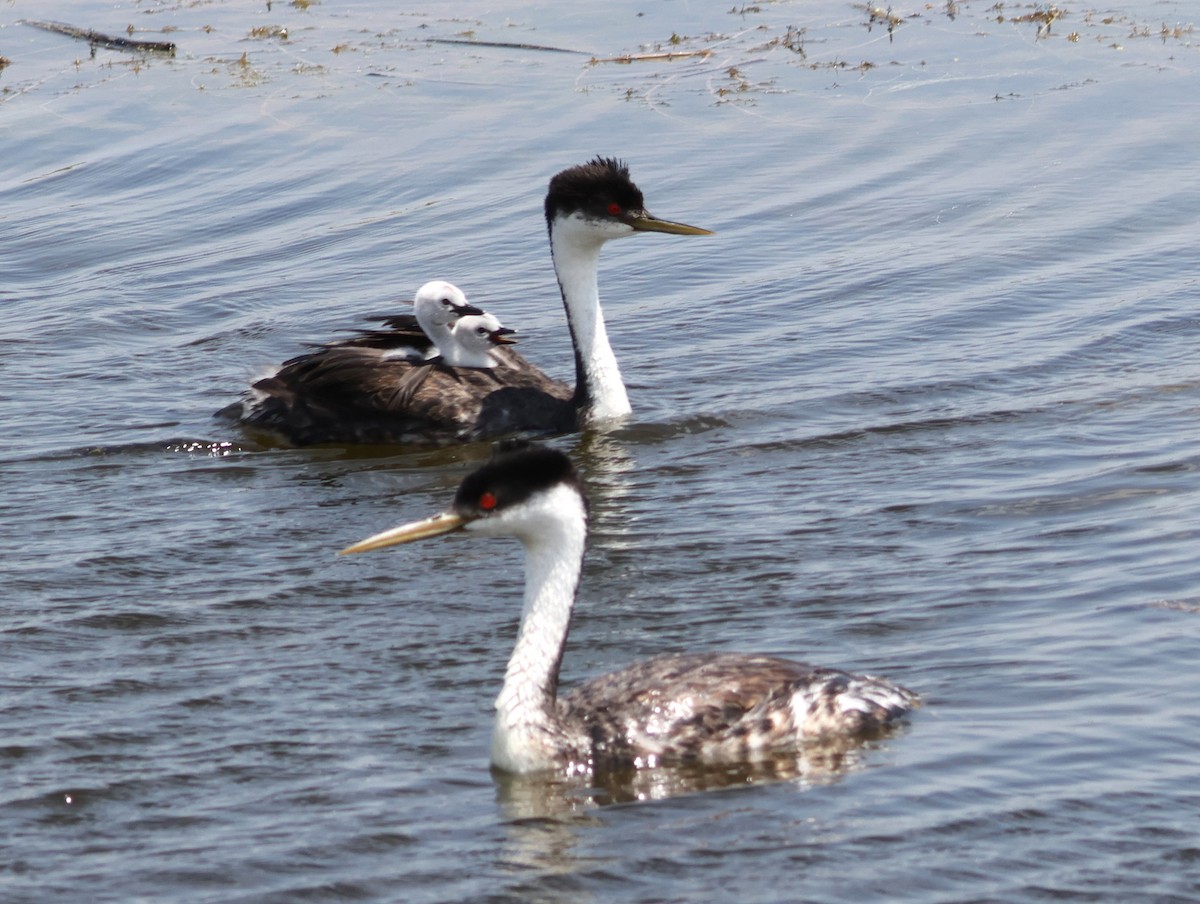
97	39
507	44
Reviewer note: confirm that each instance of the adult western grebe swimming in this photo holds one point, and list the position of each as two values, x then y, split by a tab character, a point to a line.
347	391
702	707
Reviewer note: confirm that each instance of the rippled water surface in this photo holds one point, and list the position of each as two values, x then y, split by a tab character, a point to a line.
925	405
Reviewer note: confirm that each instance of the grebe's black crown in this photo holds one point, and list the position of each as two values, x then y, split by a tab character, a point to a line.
517	470
591	188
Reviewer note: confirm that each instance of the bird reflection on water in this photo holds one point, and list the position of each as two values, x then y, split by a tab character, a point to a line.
548	818
553	796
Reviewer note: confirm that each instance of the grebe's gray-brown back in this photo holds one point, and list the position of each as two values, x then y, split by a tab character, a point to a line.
347	391
674	709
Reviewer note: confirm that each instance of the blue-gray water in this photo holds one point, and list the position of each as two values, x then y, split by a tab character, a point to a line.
925	405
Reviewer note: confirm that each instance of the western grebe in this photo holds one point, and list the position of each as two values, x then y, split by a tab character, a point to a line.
347	391
701	707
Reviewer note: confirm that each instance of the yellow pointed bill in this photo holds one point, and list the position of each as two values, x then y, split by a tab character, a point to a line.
407	533
644	222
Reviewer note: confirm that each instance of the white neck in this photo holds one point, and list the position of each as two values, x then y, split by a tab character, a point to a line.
599	390
440	336
455	355
527	735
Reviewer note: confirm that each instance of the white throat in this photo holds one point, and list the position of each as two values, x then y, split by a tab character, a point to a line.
576	251
527	735
457	356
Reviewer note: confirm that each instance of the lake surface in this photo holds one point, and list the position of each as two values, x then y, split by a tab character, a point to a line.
925	405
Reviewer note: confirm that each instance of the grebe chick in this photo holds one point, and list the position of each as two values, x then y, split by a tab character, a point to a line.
416	336
437	306
355	398
673	709
472	341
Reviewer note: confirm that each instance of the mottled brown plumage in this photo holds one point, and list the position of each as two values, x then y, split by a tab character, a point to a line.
718	707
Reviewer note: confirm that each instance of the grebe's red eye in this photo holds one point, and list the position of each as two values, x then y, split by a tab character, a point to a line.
487	502
614	208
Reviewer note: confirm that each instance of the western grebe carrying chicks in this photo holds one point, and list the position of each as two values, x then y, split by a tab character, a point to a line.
347	392
672	709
